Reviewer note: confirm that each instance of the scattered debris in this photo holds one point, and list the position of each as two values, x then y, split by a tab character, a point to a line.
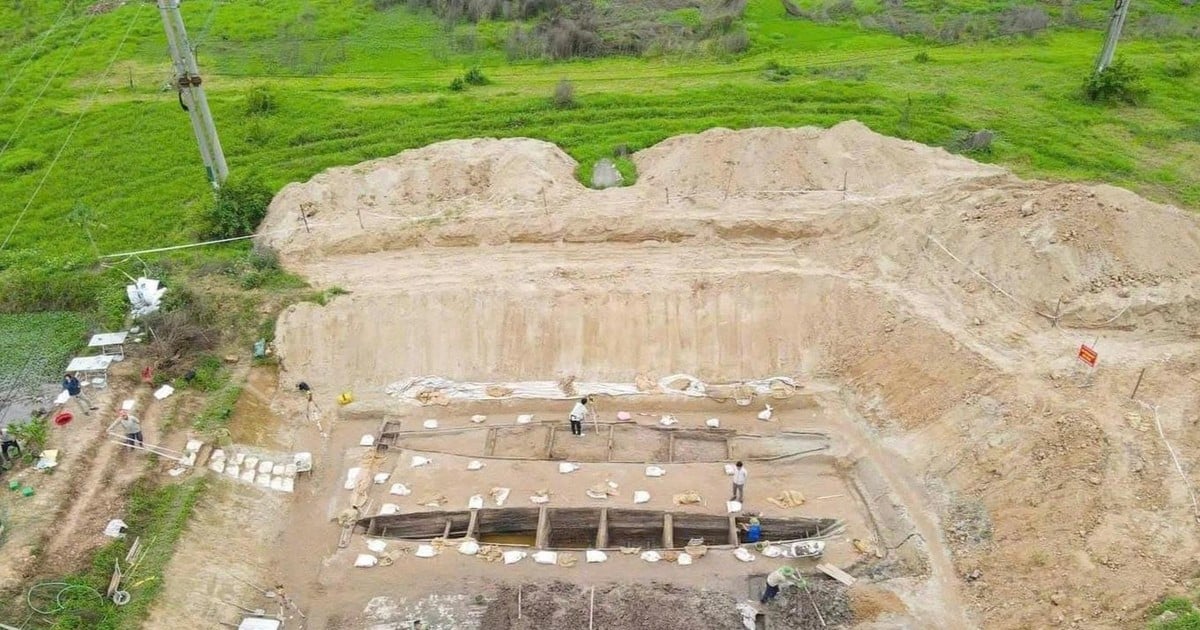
788	499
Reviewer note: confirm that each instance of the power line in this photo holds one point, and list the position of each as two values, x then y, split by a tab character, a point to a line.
37	47
46	85
71	133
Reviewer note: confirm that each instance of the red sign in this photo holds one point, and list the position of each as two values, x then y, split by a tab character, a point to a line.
1087	355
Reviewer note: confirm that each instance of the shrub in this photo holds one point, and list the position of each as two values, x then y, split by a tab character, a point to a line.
972	141
18	161
564	94
1118	83
735	42
31	435
922	57
777	72
238	208
263	258
260	101
1023	20
457	85
475	76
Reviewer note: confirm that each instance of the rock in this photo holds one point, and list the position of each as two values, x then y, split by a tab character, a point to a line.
231	358
605	174
1165	618
1095	480
977	321
1058	598
1123	292
974	575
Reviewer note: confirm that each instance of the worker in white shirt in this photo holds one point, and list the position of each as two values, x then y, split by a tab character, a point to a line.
739	482
778	578
578	413
132	427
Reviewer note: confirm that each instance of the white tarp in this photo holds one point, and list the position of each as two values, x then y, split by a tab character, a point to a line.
144	296
411	388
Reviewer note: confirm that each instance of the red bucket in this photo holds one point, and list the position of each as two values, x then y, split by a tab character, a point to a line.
63	418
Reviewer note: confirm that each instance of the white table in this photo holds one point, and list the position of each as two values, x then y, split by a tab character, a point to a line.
259	623
112	344
92	367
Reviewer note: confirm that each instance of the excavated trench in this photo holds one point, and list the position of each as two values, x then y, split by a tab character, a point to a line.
591	528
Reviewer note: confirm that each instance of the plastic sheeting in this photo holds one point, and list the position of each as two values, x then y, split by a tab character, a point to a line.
410	389
145	295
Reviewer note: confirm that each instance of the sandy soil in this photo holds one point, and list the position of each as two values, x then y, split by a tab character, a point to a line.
938	302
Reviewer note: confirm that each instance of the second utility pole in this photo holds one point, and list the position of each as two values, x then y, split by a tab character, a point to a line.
191	93
1115	24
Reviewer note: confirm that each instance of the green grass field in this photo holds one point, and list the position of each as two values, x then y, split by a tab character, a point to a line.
354	83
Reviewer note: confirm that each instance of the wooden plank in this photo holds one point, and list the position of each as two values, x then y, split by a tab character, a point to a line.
611	429
733	535
542	539
446	532
837	574
490	446
728	448
671	448
602	531
473	523
668	534
550	442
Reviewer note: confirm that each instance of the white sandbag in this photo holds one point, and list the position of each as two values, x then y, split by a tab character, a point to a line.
128	404
263	479
400	490
468	548
114	528
743	554
265	467
248	475
425	551
474	465
651	556
685	559
351	476
478	418
218	465
712	422
387	509
289	484
733	507
567	467
289	470
641	496
163	392
218	454
376	545
595	555
539	499
193	446
62	397
277	483
500	495
233	471
381	478
525	418
655	471
238	458
624	416
367	440
772	551
430	424
365	560
729	469
668	420
545	557
514	556
418	461
475	502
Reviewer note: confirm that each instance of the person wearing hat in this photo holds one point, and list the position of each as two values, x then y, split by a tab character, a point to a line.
7	442
778	578
132	427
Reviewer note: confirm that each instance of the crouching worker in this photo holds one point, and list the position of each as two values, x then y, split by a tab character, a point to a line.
779	578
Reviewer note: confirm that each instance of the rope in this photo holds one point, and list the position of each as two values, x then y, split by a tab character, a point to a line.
58	603
37	47
46	85
67	141
1174	458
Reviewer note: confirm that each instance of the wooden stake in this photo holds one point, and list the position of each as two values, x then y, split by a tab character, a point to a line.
518	601
1138	384
592	610
360	221
305	219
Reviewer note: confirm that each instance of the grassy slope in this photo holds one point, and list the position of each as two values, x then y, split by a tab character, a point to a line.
379	87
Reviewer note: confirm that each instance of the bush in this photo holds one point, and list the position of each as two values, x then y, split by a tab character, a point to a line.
922	57
261	101
1179	67
457	85
564	94
238	208
31	435
735	42
1118	83
474	76
1023	20
263	258
776	72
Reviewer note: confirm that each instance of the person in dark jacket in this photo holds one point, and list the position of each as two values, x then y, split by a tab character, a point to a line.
8	443
75	389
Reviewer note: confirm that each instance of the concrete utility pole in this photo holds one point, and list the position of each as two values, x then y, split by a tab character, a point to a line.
191	93
1115	24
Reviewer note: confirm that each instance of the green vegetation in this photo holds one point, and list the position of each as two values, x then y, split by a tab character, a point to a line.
214	418
1181	614
156	514
32	435
36	346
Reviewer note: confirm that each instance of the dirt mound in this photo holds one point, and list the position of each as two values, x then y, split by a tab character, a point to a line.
805	158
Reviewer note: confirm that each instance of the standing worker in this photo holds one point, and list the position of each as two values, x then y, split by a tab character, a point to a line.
739	482
578	413
75	391
7	442
133	428
778	578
